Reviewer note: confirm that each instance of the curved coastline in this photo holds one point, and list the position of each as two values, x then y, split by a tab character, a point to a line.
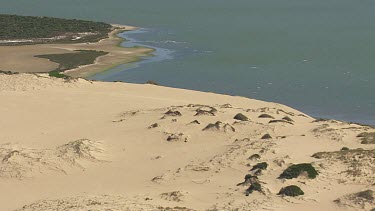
117	54
158	54
107	62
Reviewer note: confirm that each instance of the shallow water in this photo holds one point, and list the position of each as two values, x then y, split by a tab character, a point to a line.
316	56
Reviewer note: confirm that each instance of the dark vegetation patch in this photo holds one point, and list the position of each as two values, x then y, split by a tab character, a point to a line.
155	125
359	163
57	74
249	179
321	120
195	122
367	194
241	117
40	29
367	138
266	116
266	136
68	61
296	170
262	166
220	126
8	72
345	149
256	186
173	113
152	82
362	200
280	121
206	111
291	190
226	106
252	182
254	157
286	118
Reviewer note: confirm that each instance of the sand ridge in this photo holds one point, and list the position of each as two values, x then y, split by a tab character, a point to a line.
144	147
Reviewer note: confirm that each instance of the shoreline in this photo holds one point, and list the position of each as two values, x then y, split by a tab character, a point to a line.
117	55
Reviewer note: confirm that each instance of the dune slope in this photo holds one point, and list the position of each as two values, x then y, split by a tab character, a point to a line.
82	145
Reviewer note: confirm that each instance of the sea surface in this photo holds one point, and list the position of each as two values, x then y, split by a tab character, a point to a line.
316	56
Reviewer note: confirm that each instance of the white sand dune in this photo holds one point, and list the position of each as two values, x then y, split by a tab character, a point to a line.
82	145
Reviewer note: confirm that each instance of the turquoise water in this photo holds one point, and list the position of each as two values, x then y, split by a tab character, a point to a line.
316	56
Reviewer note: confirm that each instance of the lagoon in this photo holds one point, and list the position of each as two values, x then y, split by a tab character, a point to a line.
316	56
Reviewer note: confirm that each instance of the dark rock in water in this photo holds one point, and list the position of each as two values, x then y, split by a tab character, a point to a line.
280	121
266	116
267	136
296	170
367	138
154	125
254	157
219	126
291	190
286	118
195	122
241	117
173	113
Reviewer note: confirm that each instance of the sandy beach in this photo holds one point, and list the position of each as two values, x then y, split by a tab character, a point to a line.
82	145
12	55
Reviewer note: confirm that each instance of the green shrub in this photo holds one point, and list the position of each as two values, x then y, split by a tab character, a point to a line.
266	116
367	194
291	190
57	74
254	187
28	27
296	170
249	179
262	166
68	61
254	157
367	138
286	118
152	82
267	136
241	117
7	72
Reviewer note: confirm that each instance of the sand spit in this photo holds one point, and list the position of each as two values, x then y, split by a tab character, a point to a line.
149	147
21	58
